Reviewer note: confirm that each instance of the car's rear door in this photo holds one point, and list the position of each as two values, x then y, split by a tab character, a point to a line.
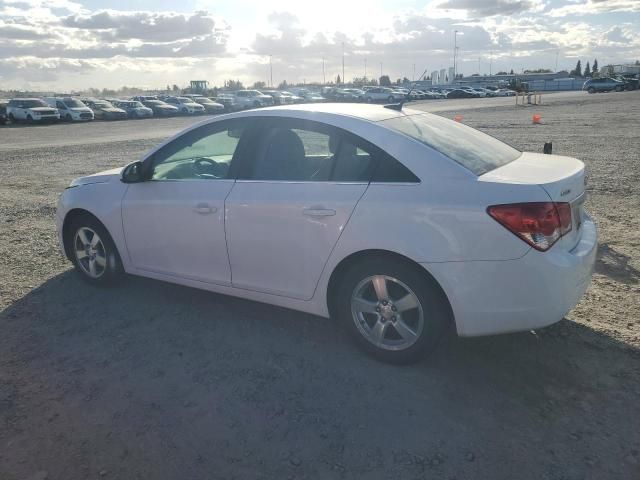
290	205
174	222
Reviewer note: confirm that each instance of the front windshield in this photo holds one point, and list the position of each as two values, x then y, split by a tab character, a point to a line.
154	102
102	104
73	103
467	146
35	103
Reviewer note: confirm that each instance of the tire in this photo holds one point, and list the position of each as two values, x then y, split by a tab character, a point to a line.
103	272
618	89
29	119
256	104
12	118
422	325
390	99
591	90
67	118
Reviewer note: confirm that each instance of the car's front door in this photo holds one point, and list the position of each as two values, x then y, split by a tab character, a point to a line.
288	209
174	221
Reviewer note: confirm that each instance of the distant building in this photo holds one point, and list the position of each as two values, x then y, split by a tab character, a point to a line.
435	80
452	75
443	76
199	85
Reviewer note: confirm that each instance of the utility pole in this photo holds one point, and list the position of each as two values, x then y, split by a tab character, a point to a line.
380	68
343	63
365	70
455	51
478	65
414	72
324	80
490	60
557	53
270	71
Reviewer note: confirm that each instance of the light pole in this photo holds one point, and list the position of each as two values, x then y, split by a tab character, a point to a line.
455	53
343	63
270	71
557	53
324	80
414	72
365	70
380	68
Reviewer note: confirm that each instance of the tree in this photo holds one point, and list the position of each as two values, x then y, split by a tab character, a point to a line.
511	72
502	73
283	85
587	70
175	88
338	80
578	70
595	66
259	85
405	80
385	81
234	84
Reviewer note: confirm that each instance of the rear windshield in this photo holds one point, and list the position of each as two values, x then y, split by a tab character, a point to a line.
471	148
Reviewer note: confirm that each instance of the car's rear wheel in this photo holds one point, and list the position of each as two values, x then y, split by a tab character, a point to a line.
93	252
393	311
12	118
591	90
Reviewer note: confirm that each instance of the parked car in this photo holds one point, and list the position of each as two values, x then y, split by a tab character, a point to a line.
31	110
160	108
630	83
71	109
382	94
279	98
252	99
103	110
313	97
3	112
133	108
475	232
209	105
229	102
185	105
460	93
605	84
504	92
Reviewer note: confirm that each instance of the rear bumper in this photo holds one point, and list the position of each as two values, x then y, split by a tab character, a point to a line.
491	297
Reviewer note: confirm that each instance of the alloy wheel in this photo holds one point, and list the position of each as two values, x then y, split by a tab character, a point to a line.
90	252
387	312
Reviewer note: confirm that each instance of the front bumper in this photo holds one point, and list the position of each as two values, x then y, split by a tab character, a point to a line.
537	290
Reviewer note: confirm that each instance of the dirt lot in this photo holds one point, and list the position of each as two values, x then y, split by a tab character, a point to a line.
153	381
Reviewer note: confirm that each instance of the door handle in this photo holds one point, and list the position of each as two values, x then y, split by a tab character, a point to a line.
319	212
204	209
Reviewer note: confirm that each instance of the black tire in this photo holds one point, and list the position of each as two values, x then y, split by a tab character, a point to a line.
591	90
432	302
29	119
68	118
390	99
12	118
618	89
113	268
256	104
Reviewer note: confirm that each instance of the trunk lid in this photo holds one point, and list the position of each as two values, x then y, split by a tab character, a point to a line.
562	178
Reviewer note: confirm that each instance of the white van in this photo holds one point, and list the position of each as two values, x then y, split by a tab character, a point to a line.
71	109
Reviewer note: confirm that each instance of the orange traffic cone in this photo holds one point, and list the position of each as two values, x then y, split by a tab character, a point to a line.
458	118
536	118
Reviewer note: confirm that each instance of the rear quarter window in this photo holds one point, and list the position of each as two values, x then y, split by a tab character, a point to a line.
476	151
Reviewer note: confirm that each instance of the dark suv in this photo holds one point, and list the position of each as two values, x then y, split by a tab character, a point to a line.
3	112
603	85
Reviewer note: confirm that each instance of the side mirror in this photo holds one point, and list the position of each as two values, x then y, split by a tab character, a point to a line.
132	173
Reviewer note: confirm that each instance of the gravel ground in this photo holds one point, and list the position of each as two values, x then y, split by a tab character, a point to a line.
154	381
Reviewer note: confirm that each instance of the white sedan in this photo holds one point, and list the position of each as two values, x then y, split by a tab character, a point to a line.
399	224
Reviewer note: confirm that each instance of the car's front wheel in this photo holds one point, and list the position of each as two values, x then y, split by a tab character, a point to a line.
92	251
393	310
591	90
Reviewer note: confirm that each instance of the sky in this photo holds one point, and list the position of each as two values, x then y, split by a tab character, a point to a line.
76	44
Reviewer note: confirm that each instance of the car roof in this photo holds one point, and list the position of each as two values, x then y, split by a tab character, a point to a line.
367	112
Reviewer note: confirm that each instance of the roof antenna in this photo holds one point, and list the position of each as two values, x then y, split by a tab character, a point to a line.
398	106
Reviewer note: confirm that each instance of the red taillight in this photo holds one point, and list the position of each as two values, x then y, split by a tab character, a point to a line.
540	224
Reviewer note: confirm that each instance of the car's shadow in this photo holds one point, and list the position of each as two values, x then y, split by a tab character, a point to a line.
172	382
